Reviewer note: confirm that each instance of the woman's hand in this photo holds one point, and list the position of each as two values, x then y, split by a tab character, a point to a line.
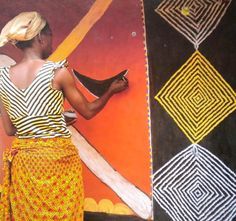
118	85
65	82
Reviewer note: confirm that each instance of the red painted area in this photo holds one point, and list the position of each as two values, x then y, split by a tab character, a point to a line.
120	131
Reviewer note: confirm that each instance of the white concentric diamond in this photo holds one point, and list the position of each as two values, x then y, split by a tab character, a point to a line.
195	19
196	186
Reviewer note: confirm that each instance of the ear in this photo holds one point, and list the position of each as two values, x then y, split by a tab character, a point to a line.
39	38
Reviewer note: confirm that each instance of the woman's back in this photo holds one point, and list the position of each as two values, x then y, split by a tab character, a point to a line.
23	73
34	106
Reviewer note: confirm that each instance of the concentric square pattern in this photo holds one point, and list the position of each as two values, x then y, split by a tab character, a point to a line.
196	186
197	97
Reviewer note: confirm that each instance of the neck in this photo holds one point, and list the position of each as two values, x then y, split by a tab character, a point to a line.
31	54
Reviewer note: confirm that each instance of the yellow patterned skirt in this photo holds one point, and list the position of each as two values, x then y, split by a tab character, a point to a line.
43	181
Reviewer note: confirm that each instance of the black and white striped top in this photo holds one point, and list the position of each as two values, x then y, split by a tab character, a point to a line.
37	111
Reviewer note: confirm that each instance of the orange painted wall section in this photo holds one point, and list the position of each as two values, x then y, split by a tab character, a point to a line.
120	131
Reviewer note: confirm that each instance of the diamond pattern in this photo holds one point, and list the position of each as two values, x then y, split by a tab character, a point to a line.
195	19
196	186
197	97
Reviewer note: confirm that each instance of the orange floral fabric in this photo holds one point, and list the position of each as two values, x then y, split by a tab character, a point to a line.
43	181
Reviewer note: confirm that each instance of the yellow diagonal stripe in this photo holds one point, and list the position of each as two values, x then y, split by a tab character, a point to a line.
79	32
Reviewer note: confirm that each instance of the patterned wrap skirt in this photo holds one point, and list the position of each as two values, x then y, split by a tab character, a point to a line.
43	181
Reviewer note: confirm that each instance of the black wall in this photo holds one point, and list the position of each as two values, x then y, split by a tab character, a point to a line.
168	50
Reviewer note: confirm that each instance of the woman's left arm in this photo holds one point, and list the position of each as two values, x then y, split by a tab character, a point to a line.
7	124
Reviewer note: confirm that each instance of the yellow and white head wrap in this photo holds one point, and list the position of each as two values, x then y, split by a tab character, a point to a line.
23	27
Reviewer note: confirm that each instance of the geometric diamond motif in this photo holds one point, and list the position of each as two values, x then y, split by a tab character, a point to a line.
196	186
197	97
195	19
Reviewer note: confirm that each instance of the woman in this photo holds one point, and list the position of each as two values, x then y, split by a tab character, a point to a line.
42	170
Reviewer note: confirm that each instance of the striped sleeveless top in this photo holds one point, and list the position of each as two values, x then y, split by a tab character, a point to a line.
37	111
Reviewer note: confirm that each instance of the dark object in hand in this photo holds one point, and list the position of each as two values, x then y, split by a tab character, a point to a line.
98	87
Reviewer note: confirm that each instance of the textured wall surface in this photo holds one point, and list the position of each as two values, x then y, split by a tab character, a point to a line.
191	52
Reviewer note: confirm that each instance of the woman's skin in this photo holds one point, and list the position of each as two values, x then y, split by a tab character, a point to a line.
23	73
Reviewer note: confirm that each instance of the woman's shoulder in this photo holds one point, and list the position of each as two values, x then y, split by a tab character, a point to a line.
59	64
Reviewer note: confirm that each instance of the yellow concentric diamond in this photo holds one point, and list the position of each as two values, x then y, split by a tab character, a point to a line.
197	97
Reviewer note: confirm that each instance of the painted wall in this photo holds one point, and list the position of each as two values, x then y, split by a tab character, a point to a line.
189	84
191	53
120	133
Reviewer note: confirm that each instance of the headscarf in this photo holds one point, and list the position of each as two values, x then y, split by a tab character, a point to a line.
23	27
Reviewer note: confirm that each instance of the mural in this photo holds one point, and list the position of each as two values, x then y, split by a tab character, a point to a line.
191	97
178	114
194	19
197	97
196	185
100	40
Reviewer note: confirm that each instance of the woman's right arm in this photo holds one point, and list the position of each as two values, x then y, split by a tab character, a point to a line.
65	81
